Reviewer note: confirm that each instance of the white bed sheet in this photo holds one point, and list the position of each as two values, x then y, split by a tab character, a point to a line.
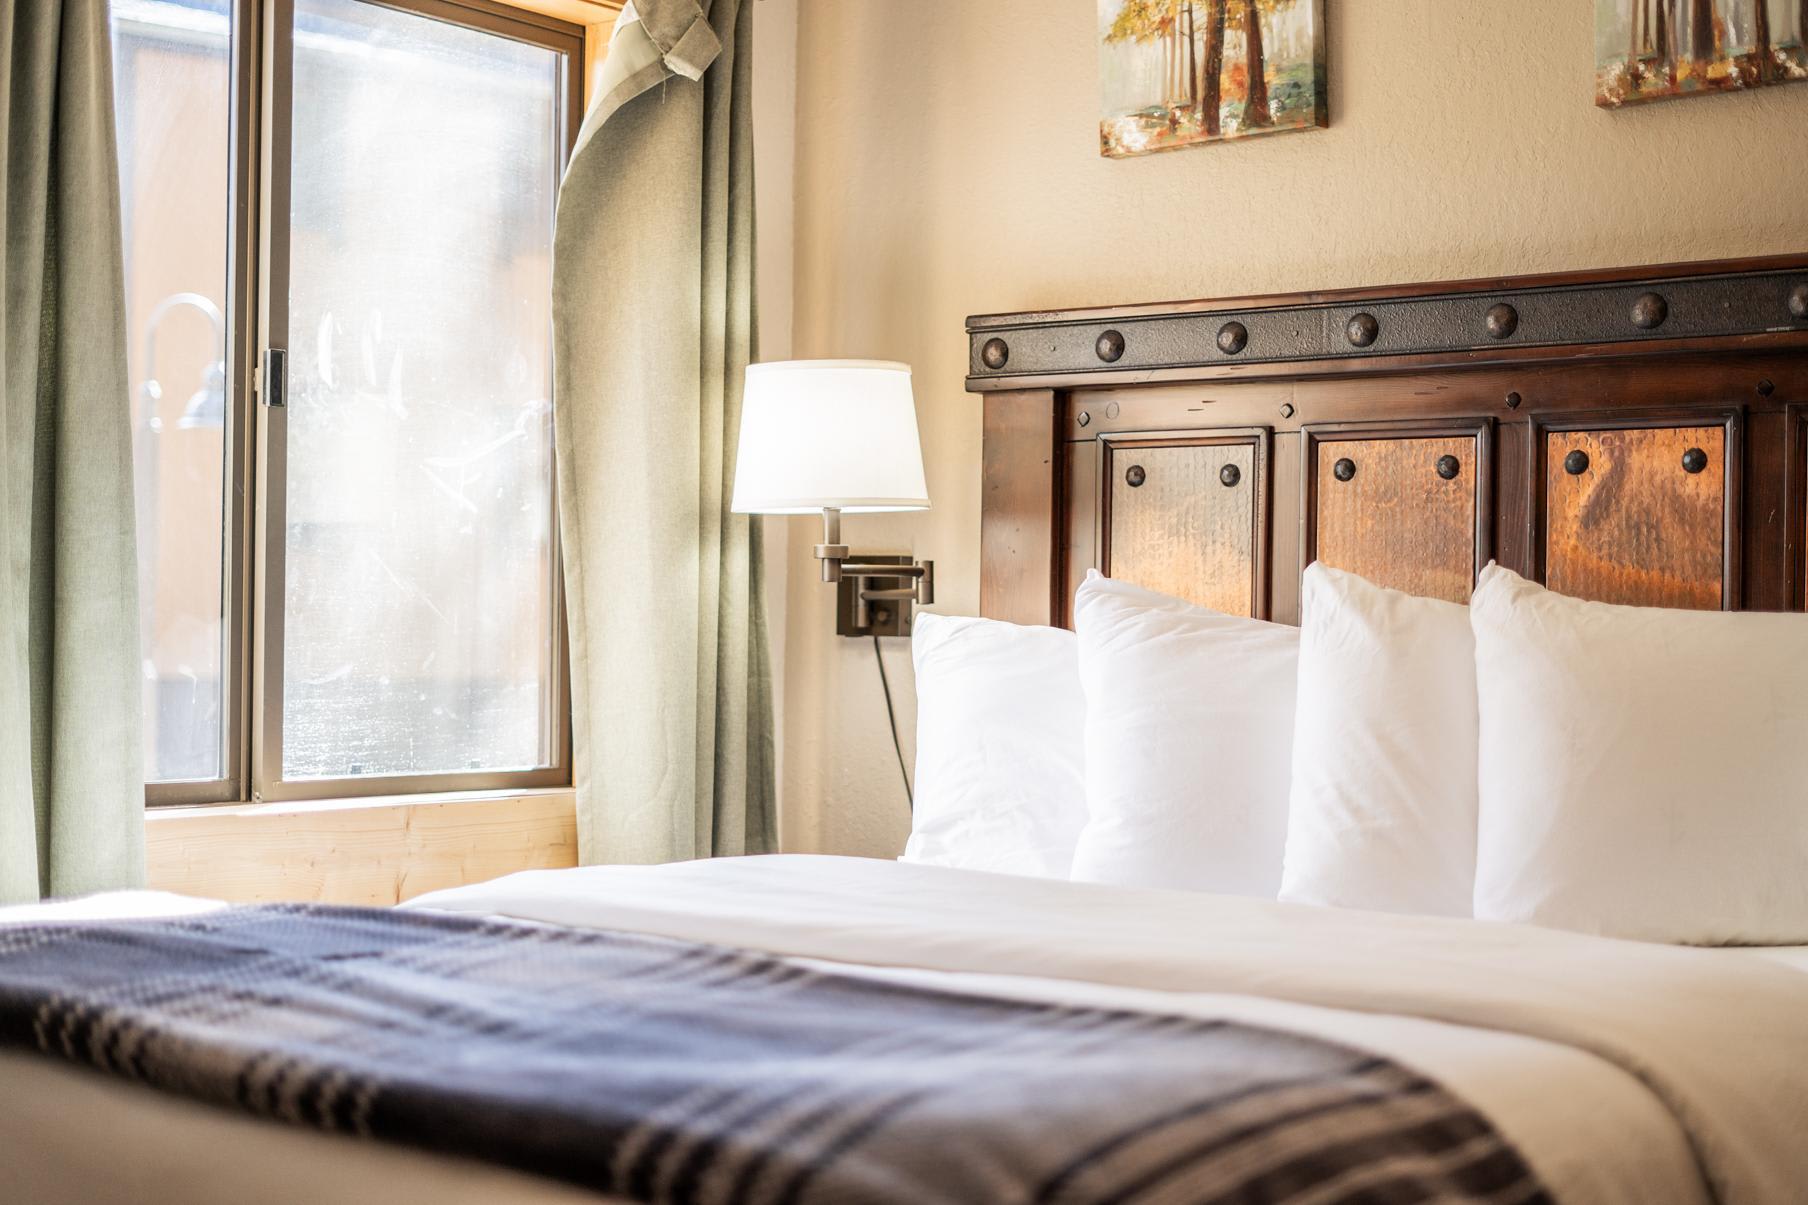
1591	1130
1609	1063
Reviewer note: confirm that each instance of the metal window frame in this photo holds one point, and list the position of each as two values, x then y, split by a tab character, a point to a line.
257	435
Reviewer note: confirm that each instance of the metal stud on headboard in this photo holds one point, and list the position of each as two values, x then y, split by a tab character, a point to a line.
1650	311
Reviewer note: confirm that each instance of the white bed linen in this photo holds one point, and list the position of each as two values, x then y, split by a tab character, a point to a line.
1720	1041
1592	1131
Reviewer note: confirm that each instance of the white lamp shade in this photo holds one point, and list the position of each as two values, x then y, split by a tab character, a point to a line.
820	433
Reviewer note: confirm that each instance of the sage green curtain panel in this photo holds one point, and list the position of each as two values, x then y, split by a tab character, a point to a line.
653	314
71	763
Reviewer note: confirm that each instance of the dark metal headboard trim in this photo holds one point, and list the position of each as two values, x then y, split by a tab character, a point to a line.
1481	321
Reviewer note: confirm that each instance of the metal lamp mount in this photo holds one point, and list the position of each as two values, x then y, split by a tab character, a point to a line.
876	594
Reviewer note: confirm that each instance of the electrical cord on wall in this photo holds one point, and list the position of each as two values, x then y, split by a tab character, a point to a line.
892	715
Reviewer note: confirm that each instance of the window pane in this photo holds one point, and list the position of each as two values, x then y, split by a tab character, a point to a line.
172	67
419	626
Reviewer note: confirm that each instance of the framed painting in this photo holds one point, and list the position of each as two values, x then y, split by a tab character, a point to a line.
1660	49
1175	73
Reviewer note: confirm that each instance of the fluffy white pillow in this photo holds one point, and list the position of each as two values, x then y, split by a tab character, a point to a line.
1644	772
1383	799
1189	724
1000	721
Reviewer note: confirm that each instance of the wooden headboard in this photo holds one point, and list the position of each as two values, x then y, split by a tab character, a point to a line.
1629	435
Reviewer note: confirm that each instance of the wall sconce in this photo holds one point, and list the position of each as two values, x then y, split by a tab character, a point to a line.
839	436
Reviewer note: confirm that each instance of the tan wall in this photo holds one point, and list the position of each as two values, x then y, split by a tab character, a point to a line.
947	164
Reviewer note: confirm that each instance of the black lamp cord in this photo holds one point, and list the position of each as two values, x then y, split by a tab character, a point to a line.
892	715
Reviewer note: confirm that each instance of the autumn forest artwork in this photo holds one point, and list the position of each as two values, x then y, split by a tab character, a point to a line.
1659	49
1175	73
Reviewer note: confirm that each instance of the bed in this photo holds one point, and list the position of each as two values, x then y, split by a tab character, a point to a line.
1620	1071
1208	450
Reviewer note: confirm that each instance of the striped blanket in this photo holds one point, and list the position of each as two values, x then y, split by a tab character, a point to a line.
667	1071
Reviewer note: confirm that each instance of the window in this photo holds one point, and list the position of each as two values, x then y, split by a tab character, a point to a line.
173	92
339	248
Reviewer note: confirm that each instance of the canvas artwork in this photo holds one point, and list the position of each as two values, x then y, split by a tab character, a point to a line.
1658	49
1176	73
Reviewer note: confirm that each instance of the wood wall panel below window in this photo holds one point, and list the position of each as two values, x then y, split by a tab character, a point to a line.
369	853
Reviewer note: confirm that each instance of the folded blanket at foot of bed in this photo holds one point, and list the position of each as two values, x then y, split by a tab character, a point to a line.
665	1070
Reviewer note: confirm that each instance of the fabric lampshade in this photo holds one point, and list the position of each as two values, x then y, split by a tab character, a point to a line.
829	433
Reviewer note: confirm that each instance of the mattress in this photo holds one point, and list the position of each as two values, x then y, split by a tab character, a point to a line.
1589	1128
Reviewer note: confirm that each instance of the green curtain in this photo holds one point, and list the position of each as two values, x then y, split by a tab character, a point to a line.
653	317
71	763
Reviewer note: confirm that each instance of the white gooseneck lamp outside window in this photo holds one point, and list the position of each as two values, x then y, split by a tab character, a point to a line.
839	436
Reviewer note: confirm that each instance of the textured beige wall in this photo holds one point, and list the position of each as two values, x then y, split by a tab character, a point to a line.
947	164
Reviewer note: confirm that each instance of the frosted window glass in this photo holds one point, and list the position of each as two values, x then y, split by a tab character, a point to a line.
172	97
419	609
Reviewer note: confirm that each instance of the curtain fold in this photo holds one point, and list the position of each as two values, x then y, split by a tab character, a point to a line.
71	761
654	325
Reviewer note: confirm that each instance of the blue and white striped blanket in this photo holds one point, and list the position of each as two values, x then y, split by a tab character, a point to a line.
668	1071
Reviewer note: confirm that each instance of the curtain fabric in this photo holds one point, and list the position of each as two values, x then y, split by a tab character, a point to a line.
71	763
653	316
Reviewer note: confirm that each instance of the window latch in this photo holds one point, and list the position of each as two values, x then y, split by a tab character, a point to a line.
273	377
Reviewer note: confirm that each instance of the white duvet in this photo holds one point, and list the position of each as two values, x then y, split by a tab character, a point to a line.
1623	1071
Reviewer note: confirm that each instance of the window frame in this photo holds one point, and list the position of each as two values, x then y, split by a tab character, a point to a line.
262	62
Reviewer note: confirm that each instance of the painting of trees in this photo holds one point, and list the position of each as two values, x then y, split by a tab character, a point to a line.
1180	72
1659	49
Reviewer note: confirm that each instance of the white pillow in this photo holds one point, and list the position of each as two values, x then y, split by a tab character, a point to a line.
1000	721
1383	800
1189	723
1644	772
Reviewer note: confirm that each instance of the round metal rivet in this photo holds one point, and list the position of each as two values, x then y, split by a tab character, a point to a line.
1798	303
1649	311
1135	476
1230	474
1362	330
1449	467
1503	320
1233	337
995	354
1576	463
1694	461
1344	469
1286	409
1513	400
1110	346
1085	419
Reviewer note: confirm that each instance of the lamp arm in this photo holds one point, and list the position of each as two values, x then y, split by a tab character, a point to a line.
861	569
831	552
836	567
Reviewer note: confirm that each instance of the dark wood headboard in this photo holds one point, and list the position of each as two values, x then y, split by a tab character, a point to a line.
1634	435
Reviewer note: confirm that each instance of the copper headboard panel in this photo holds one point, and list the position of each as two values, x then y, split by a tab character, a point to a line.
1633	435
